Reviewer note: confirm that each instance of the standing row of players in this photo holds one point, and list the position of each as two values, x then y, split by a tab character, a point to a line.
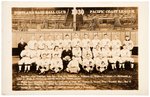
74	55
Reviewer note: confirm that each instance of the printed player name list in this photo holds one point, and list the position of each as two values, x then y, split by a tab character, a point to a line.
68	82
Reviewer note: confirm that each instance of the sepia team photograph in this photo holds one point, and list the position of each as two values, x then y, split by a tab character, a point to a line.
76	47
82	45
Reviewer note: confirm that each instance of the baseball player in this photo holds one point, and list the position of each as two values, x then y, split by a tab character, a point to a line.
106	52
116	43
66	41
95	41
56	64
86	42
96	51
21	46
126	57
105	41
73	66
128	43
47	52
25	54
76	41
76	51
85	51
101	64
49	43
88	64
41	43
115	53
32	43
35	55
44	63
57	51
58	42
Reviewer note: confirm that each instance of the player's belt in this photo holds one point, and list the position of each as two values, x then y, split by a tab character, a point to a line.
32	49
41	49
50	49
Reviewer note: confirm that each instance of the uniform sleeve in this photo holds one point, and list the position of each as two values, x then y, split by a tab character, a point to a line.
129	54
109	43
124	42
61	63
79	53
29	44
132	45
120	43
69	65
22	53
82	43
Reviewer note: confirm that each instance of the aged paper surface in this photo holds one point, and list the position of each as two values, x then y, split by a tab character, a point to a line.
74	47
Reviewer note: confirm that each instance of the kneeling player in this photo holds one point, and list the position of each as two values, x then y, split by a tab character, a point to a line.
85	51
126	57
56	64
88	64
115	53
101	64
73	66
76	51
44	64
25	54
35	56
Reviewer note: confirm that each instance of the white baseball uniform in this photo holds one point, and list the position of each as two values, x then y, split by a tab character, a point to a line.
50	44
95	42
25	54
44	63
31	44
101	64
86	43
126	55
88	64
106	53
128	44
73	66
96	52
116	44
85	52
76	42
35	56
58	43
41	44
57	53
105	42
56	65
77	53
115	55
66	43
48	53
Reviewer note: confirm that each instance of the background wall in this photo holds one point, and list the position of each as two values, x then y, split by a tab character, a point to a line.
27	35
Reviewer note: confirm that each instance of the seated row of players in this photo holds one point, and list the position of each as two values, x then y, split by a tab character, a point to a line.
73	57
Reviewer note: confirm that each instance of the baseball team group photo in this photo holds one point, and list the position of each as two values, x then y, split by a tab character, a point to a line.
99	41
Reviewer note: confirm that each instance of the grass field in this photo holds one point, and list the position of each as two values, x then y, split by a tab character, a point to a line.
110	80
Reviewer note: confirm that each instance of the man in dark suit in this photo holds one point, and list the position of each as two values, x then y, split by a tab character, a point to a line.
66	56
21	46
